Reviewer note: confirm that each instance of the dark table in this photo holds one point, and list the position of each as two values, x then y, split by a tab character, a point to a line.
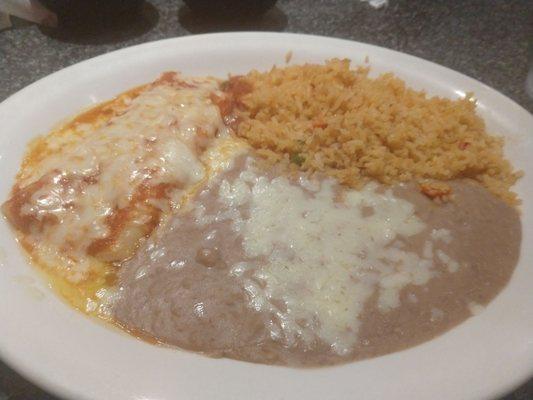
487	40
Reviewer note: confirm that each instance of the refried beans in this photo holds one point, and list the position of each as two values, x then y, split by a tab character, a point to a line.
207	282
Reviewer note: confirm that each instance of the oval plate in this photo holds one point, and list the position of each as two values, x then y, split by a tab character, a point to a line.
73	356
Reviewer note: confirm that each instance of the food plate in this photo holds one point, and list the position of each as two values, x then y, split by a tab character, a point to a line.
76	357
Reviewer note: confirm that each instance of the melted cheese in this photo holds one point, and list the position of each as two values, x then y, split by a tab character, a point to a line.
96	166
315	254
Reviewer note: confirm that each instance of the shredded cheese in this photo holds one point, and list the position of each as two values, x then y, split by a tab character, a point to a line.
314	256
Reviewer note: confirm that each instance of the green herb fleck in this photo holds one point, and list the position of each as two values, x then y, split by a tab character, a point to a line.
297	159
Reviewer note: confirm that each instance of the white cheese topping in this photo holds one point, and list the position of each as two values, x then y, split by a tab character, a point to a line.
450	263
154	141
316	255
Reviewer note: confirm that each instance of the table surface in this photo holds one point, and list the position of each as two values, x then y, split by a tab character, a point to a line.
486	39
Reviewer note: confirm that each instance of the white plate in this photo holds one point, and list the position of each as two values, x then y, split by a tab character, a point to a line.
76	357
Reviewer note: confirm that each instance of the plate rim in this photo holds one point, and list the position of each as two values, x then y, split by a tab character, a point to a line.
124	50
